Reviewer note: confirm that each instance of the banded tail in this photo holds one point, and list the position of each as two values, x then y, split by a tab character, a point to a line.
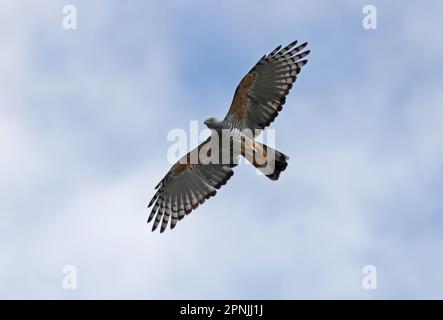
269	161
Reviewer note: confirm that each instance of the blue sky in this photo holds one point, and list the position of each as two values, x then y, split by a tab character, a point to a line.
84	117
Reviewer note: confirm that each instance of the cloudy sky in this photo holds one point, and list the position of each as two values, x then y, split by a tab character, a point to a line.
84	116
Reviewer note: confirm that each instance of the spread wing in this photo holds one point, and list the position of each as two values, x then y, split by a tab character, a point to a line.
186	186
262	92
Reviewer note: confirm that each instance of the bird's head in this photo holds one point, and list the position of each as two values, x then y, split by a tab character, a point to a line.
211	122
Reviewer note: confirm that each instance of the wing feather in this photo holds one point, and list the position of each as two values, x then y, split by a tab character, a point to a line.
184	188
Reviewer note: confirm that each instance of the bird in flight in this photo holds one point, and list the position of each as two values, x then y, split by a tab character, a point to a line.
258	99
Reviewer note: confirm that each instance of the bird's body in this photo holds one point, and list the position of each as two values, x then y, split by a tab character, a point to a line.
256	103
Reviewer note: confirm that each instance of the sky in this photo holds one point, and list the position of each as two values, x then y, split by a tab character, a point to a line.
84	119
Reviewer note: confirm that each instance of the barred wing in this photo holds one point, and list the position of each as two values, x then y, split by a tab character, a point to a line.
185	187
262	92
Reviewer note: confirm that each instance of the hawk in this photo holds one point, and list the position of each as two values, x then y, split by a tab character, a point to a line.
258	99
